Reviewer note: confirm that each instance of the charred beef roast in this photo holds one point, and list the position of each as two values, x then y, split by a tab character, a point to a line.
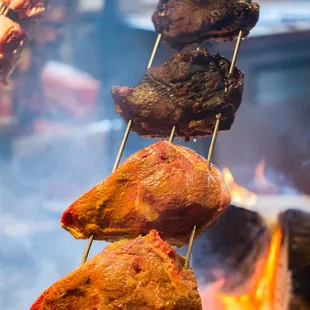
165	187
187	22
145	273
187	91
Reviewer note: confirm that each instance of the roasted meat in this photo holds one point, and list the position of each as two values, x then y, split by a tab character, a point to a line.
164	187
187	91
186	22
12	40
27	8
144	273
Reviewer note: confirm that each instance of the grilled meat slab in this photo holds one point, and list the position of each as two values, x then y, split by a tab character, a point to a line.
12	40
187	91
187	22
144	273
164	187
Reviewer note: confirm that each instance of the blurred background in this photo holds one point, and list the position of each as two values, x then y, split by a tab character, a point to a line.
59	132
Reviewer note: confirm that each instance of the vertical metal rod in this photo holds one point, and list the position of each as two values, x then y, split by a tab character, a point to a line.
236	52
172	135
212	146
122	147
214	137
190	248
123	144
86	253
156	45
6	11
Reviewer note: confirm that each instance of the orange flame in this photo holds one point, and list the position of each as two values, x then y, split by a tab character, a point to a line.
240	195
261	293
262	184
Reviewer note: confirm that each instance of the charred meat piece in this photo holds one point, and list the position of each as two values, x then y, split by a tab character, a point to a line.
164	187
27	8
187	22
12	41
144	273
232	244
187	91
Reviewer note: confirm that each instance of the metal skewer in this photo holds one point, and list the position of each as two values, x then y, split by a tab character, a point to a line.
212	145
123	143
4	10
171	138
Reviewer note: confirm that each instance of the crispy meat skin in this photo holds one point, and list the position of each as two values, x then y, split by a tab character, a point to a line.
144	273
164	187
186	91
12	40
187	22
26	8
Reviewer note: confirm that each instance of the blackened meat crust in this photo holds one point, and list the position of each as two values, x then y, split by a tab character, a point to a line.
187	91
187	22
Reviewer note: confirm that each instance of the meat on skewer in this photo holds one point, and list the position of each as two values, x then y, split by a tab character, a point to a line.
187	22
27	8
144	273
187	92
165	187
12	41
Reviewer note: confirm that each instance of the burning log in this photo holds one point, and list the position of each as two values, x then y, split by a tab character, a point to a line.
230	248
297	225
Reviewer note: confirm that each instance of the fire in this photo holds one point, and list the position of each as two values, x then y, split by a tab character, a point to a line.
261	183
261	292
240	195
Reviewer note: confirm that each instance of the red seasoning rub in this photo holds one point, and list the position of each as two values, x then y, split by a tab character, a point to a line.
27	8
12	40
164	187
144	273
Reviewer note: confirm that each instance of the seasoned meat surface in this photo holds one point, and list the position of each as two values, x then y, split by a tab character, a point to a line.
144	273
187	22
12	41
27	8
187	91
164	187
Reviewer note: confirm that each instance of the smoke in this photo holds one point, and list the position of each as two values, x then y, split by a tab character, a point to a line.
277	132
46	174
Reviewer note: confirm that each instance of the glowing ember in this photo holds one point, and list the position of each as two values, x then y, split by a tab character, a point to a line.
240	195
261	291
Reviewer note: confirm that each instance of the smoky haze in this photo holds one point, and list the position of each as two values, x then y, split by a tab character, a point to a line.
47	173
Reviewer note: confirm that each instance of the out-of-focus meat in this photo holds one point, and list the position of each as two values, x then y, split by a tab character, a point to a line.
164	187
186	22
187	91
145	273
12	40
27	8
